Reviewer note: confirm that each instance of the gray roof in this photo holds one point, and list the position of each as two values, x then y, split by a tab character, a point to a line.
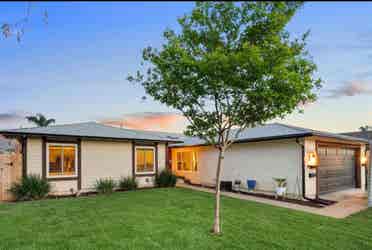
360	134
271	132
96	130
93	130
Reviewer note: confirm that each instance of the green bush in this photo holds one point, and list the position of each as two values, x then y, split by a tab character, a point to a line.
105	186
166	179
128	183
31	187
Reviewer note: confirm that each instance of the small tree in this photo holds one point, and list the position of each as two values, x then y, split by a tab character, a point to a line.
232	66
40	120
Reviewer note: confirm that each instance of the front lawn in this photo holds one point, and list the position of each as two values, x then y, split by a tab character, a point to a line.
173	219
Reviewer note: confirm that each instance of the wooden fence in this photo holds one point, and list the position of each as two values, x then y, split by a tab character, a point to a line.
10	171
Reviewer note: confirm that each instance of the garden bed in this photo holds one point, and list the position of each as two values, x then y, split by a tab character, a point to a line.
310	202
319	203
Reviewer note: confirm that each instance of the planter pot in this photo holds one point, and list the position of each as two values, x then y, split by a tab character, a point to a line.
251	184
280	191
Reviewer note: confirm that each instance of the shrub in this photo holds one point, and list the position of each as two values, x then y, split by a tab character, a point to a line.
280	182
128	183
105	186
166	179
31	187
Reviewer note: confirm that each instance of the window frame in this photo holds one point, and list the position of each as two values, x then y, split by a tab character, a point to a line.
47	160
135	160
194	161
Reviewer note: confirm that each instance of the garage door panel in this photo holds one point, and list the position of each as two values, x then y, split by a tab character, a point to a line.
336	170
336	160
336	174
331	168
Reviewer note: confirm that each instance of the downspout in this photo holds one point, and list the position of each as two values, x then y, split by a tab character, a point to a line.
303	169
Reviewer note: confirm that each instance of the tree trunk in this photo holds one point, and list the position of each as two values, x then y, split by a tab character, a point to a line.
217	218
369	180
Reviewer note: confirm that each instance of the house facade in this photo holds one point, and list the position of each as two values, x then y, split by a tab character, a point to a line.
73	157
312	162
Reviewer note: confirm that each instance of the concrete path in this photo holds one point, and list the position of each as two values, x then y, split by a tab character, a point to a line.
342	209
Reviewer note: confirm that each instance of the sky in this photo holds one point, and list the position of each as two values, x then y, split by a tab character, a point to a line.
74	68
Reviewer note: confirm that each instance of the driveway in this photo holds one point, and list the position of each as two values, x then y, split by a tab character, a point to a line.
349	201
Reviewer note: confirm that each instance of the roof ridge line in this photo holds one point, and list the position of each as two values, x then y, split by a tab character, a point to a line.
139	130
295	127
53	126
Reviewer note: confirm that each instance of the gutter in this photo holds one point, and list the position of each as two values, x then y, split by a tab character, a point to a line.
258	139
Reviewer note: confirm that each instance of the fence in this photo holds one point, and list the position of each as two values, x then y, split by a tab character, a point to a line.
10	171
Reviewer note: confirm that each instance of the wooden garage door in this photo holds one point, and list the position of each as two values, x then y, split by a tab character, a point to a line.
336	170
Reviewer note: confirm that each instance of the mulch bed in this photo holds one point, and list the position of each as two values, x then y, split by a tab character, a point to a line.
317	203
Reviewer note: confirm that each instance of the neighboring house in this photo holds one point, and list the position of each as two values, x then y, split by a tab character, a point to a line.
72	157
278	151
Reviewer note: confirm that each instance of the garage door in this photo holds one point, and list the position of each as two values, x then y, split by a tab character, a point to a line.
336	169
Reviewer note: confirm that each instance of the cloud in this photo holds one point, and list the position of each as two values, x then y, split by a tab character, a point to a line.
12	119
364	74
157	121
352	88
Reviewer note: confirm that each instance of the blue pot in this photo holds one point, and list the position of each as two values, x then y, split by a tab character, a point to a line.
251	184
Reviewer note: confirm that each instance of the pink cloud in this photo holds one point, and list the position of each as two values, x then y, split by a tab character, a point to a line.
352	88
159	121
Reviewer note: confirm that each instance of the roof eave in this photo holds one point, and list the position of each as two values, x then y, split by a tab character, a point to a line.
360	140
23	134
258	139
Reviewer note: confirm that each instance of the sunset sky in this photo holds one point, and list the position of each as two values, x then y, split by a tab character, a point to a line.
74	68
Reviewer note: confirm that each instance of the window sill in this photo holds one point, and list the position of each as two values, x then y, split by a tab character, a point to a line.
146	174
186	171
61	178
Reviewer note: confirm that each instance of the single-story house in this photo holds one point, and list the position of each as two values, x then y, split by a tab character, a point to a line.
72	157
313	162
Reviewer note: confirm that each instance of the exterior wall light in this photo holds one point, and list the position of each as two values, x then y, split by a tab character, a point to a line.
363	160
312	160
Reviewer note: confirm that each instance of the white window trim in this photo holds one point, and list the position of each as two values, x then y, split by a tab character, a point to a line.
135	159
47	160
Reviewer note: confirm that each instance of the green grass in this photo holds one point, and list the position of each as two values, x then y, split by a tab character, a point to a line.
172	219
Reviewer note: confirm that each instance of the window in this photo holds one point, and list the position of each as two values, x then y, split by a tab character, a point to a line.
62	160
187	161
145	160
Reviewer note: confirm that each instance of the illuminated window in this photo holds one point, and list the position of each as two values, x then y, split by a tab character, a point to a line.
62	160
145	160
187	161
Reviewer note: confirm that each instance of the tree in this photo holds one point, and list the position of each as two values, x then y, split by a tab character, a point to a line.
17	28
40	120
232	66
